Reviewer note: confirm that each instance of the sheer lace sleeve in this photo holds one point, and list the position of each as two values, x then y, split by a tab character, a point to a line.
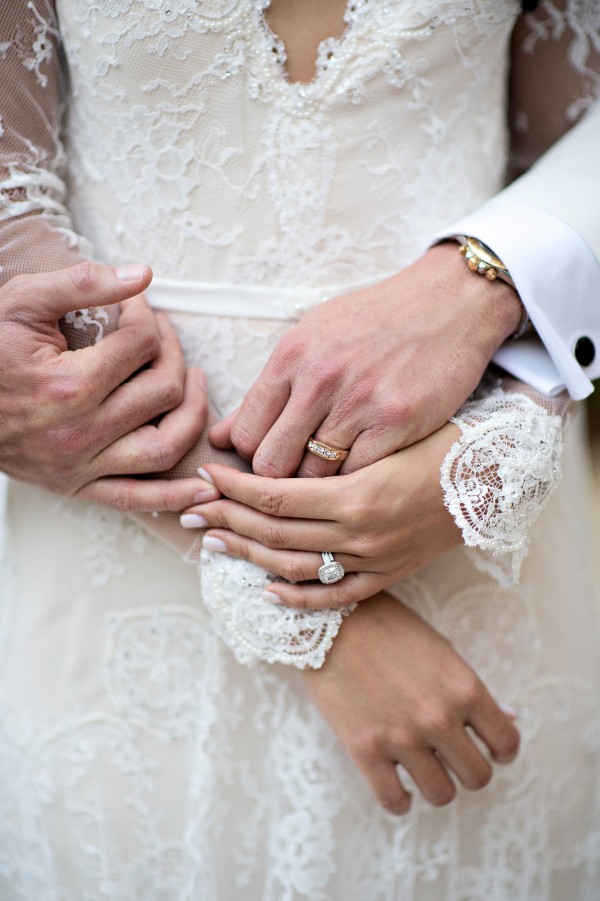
499	475
36	233
555	75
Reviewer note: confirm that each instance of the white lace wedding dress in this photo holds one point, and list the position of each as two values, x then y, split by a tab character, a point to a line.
138	758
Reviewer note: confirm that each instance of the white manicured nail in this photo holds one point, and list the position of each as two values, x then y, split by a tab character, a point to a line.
508	710
271	598
205	475
192	521
214	544
131	273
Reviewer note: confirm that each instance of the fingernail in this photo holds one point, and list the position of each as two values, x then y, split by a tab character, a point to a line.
209	495
214	544
271	598
205	475
192	521
131	273
508	710
202	378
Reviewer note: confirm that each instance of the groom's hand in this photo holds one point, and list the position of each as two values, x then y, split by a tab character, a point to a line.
77	422
374	371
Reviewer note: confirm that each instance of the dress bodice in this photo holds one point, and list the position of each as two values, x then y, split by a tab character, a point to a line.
182	110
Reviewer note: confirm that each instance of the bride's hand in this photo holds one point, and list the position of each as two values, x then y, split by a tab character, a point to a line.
383	523
395	691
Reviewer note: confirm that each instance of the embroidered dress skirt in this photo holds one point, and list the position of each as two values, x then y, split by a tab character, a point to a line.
138	758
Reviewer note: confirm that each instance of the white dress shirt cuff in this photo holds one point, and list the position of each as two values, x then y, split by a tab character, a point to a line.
557	277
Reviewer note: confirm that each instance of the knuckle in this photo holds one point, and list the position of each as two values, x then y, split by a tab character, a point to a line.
342	595
122	499
171	394
469	690
169	500
66	391
366	744
270	502
244	442
293	571
286	354
149	344
272	536
404	740
355	511
366	545
397	413
82	275
436	723
164	455
269	469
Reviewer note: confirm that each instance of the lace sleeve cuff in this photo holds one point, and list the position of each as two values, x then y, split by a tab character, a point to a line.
498	476
256	630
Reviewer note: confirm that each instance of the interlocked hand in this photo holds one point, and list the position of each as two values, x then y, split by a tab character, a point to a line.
79	422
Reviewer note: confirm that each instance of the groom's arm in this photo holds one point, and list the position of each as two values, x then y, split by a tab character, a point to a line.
68	420
546	229
378	371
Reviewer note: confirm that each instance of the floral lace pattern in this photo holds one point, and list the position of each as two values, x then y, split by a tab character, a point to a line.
255	630
107	535
301	151
499	475
138	759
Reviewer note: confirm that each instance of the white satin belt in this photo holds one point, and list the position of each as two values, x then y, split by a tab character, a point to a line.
526	359
244	301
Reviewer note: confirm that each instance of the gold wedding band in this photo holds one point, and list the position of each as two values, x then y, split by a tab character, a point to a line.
325	452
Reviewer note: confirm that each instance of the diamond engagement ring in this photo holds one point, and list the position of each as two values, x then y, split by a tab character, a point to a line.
331	571
325	452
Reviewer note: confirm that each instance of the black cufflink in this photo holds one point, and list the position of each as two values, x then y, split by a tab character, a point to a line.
585	351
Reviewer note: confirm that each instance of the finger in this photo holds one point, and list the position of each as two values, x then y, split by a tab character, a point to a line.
351	589
302	498
86	284
133	495
220	433
152	392
370	446
281	451
466	761
275	533
295	566
106	365
152	448
382	776
313	466
430	776
497	729
261	408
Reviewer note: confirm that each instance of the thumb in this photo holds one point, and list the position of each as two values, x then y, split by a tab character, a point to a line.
49	295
